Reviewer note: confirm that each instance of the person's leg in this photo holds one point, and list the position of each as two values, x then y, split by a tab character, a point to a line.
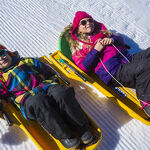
137	75
143	85
39	108
126	74
141	55
70	108
68	105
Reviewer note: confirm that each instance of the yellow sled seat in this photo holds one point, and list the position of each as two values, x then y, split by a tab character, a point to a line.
125	98
33	130
41	138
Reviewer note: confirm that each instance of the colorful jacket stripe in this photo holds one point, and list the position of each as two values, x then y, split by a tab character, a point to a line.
28	77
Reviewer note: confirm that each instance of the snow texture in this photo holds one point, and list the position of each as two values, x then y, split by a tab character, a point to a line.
32	27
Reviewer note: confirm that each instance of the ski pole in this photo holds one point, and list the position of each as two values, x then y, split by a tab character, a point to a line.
75	71
62	78
6	117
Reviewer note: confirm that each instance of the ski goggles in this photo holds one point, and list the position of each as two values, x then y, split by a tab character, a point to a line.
3	52
83	22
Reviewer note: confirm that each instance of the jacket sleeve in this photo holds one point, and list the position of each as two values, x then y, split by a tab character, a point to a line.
87	63
3	93
118	40
43	68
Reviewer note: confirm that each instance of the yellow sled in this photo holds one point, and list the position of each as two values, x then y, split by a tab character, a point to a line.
125	98
41	138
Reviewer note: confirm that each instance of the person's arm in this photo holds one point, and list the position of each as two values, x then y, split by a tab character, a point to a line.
3	93
44	69
39	66
88	62
91	60
118	40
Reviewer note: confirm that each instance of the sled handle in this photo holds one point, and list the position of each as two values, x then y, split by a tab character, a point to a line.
75	71
5	115
62	78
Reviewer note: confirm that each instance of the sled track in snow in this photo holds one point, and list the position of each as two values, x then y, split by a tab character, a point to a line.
33	26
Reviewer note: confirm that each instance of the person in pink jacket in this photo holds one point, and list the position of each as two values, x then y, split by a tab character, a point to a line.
95	49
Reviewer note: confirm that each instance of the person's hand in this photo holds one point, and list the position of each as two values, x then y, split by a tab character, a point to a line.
107	41
99	46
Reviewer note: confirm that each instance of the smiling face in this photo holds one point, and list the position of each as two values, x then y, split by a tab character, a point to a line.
86	26
5	60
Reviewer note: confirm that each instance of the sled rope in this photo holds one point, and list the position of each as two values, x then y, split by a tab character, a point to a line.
121	53
112	75
145	103
115	78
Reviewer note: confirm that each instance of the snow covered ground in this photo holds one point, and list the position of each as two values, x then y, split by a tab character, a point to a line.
32	27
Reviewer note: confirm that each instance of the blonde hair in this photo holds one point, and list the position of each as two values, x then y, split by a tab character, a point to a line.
67	34
74	43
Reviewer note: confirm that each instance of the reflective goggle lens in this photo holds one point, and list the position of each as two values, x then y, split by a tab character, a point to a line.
3	52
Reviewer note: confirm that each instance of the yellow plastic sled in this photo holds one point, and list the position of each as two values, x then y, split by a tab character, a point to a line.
125	98
37	134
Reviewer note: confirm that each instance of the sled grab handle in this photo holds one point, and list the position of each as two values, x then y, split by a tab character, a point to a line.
118	91
75	71
62	78
6	117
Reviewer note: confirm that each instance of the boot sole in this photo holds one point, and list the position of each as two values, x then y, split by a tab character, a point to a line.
74	147
88	141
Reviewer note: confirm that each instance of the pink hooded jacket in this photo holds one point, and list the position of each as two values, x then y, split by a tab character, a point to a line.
89	59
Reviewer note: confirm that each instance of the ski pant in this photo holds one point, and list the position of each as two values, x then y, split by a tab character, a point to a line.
136	74
57	111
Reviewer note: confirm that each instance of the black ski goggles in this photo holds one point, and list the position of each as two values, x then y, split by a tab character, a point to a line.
3	52
83	22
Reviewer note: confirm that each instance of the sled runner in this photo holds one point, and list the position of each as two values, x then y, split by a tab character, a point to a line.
41	138
125	98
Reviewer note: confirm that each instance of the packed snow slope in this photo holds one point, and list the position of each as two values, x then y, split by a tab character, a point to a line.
32	27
